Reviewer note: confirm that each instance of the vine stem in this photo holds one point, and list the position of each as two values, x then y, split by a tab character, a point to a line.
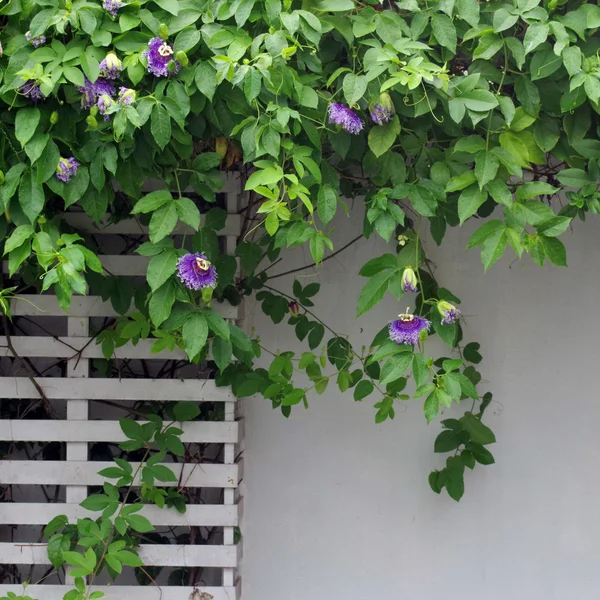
314	264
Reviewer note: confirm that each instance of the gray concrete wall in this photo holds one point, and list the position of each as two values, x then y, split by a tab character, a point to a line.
337	507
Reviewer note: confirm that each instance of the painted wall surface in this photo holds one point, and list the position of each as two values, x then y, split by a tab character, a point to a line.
337	507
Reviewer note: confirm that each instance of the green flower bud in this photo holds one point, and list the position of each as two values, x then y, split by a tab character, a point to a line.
91	121
163	31
54	118
207	293
448	312
182	58
94	110
41	219
171	66
1	177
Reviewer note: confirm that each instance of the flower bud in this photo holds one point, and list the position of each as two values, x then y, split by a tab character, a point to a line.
54	118
294	308
7	214
207	293
409	281
448	312
382	110
163	31
126	96
94	110
111	66
104	104
1	177
182	58
288	52
41	219
91	121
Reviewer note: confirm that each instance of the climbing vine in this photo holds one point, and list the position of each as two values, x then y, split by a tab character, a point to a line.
431	112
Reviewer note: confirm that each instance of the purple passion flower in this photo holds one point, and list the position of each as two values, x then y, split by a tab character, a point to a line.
409	281
196	272
159	55
294	308
32	91
66	168
112	6
448	311
36	41
126	96
92	91
407	328
111	66
348	119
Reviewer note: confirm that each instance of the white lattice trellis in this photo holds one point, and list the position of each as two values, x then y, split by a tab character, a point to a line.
77	472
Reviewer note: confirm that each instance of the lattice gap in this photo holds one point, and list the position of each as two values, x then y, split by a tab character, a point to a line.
54	447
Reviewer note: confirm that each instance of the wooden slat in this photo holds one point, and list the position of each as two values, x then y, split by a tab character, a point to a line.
67	347
17	430
162	390
33	305
124	592
49	472
13	513
133	227
154	555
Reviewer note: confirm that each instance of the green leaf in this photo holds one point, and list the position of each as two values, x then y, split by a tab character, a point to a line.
188	212
423	200
574	178
468	10
493	248
462	181
555	226
535	35
373	292
431	407
163	222
555	250
57	545
444	31
486	167
479	100
363	389
185	411
395	367
489	45
471	144
420	370
139	523
26	123
335	5
195	334
469	202
376	265
217	323
161	302
327	200
151	202
447	441
221	352
480	433
160	126
205	77
31	196
533	189
18	236
382	137
354	87
499	191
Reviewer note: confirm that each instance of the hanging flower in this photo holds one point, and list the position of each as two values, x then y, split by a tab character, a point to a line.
348	119
409	281
31	90
160	55
126	96
92	91
111	66
383	110
407	328
1	49
294	308
196	272
448	311
105	102
36	41
112	6
66	168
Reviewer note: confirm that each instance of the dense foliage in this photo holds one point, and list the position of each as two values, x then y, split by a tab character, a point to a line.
434	112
